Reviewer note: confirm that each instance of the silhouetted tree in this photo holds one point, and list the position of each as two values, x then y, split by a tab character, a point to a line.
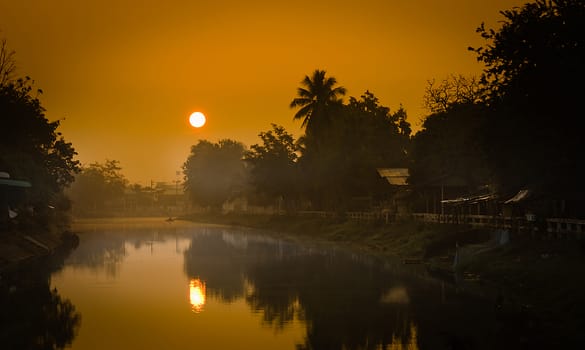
317	96
451	91
31	148
372	128
533	71
449	148
215	172
364	136
273	164
373	137
96	186
7	63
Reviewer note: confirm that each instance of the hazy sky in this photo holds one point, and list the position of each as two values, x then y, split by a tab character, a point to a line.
125	75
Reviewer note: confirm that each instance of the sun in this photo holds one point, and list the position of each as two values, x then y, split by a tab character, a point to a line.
197	119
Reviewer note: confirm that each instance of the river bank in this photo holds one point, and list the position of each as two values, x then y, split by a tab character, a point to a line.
34	315
537	281
18	248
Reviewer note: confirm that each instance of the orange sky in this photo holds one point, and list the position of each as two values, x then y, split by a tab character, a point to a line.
126	74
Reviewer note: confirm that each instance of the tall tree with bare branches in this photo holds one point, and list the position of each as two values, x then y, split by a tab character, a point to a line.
451	91
7	63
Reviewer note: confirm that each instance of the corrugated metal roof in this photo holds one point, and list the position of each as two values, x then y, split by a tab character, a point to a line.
14	183
470	200
394	176
518	197
392	172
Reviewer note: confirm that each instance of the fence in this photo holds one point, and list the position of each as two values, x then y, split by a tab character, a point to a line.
564	227
352	215
559	227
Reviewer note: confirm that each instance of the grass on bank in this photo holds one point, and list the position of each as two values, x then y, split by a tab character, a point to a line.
404	239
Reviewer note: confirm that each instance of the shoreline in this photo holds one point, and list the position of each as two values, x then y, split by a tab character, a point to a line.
18	248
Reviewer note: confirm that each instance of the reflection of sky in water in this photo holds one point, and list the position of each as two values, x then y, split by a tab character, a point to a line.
396	295
249	292
410	343
130	287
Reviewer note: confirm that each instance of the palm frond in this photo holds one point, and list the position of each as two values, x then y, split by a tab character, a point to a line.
304	114
300	101
307	82
315	94
340	90
304	93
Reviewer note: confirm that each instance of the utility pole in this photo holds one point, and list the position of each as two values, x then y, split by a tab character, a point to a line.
442	205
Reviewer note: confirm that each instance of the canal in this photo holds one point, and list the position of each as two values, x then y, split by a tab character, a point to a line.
152	284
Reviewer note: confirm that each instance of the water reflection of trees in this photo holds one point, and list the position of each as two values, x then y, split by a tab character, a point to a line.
339	299
347	301
105	250
33	316
220	265
100	252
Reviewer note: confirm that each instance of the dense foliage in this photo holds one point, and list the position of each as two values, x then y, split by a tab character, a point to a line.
518	126
32	149
339	169
274	174
215	172
316	99
533	73
450	146
97	185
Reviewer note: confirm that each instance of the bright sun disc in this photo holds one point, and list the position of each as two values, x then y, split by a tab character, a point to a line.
197	119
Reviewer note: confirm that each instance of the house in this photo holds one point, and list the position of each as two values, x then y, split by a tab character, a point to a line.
398	203
162	198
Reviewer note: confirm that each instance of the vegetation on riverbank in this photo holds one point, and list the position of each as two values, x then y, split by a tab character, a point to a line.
403	239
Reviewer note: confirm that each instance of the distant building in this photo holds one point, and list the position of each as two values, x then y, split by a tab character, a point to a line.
164	198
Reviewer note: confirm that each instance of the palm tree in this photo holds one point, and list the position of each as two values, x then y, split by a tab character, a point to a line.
315	98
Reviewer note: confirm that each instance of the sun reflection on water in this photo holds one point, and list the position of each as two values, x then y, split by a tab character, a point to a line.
197	295
401	344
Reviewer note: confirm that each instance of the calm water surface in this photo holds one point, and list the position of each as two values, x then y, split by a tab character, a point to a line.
151	284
